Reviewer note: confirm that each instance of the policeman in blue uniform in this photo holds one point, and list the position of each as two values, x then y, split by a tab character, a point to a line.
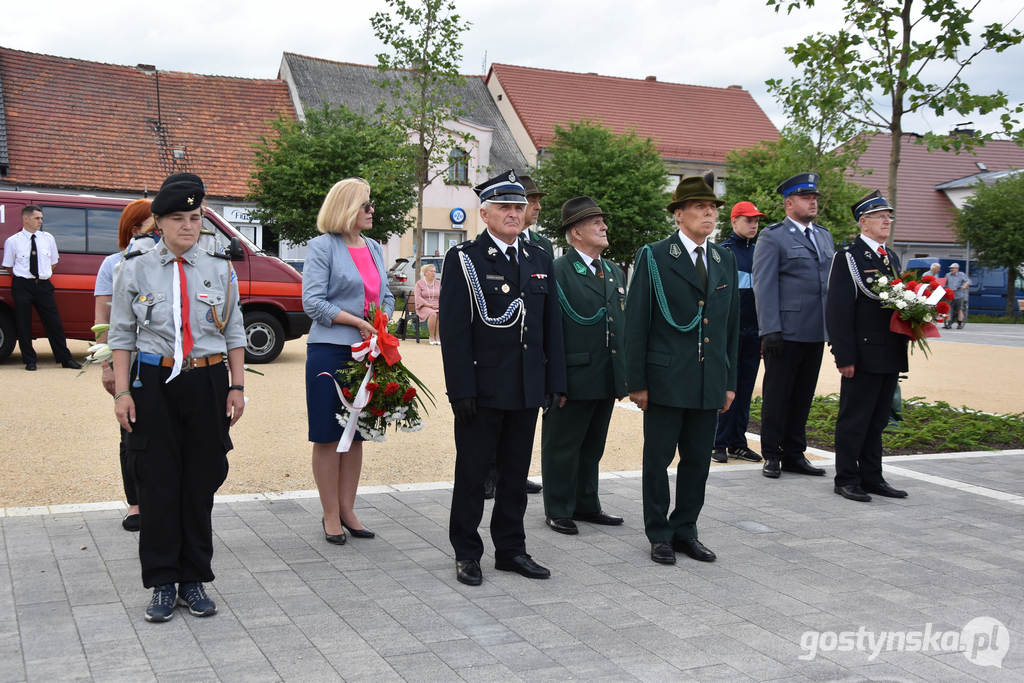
791	262
868	355
503	360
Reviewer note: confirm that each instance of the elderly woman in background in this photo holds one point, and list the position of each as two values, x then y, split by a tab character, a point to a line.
342	277
428	291
136	219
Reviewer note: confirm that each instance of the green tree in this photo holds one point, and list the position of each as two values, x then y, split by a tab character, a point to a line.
623	173
888	60
994	225
296	168
424	82
755	172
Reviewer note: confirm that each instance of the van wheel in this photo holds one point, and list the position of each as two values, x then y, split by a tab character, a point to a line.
8	335
264	337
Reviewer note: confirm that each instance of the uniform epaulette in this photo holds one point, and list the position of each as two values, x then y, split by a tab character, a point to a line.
206	231
463	245
220	254
773	225
137	252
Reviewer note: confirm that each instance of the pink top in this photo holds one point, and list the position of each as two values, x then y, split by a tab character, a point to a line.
368	274
427	296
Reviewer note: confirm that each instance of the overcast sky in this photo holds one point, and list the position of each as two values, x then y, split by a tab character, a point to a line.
712	42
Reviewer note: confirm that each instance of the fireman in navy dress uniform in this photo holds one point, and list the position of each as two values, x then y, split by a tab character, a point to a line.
177	304
503	360
868	355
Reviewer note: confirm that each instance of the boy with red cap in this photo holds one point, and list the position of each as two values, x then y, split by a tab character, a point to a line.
730	435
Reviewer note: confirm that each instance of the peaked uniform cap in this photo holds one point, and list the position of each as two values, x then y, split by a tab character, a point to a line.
694	187
578	208
870	204
801	183
503	188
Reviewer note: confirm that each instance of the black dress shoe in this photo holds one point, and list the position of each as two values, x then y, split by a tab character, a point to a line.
357	533
598	518
802	466
336	539
662	553
770	468
30	367
72	364
533	487
719	455
853	492
562	525
468	572
524	566
882	488
131	522
693	548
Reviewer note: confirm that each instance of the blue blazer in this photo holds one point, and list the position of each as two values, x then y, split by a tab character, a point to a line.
331	284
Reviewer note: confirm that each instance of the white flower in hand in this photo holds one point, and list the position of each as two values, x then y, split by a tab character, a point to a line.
884	296
901	305
882	281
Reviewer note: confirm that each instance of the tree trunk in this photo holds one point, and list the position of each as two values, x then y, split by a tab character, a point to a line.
1011	290
899	90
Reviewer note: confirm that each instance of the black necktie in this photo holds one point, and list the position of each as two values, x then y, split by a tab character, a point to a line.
702	270
33	259
810	238
511	253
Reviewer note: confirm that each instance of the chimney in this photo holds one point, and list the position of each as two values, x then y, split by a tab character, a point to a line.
735	87
651	78
146	68
963	129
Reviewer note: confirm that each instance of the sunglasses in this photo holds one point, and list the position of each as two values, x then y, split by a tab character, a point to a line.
368	206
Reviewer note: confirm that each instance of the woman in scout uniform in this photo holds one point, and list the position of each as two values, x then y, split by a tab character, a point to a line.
592	295
178	306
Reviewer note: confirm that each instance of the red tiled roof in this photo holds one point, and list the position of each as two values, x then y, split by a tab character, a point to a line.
685	121
924	213
88	125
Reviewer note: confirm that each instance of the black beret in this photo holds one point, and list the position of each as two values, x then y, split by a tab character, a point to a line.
179	192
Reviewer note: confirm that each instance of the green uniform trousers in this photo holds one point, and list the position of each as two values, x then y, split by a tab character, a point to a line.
692	432
572	442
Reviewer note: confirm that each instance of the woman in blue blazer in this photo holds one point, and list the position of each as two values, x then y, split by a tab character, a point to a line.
342	276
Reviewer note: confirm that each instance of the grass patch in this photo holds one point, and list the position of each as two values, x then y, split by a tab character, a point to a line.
926	427
983	318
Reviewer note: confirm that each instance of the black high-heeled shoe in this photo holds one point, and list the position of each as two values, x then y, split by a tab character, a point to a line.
336	539
357	533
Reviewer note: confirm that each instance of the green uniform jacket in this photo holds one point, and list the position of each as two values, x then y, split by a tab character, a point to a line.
541	241
664	360
594	354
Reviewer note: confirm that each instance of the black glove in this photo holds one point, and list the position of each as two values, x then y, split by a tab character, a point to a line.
464	409
552	401
772	345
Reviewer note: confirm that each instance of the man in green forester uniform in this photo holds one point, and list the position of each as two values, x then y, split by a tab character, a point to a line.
592	294
682	332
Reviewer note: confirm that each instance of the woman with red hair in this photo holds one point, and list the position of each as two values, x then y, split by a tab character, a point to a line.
136	219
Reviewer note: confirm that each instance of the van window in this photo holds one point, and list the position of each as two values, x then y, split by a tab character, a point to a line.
90	231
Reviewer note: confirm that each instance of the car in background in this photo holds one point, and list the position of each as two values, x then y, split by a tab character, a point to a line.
85	228
400	280
988	284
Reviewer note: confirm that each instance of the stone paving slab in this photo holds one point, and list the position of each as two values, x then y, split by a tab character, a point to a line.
805	582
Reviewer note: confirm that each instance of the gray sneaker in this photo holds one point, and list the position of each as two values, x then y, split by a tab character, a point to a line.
193	596
161	606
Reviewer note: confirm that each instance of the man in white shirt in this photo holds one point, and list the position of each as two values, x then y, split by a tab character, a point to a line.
31	255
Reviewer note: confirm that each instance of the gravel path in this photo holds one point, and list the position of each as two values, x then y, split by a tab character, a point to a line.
60	437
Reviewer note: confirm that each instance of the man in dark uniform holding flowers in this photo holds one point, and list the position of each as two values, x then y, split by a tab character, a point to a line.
868	355
503	360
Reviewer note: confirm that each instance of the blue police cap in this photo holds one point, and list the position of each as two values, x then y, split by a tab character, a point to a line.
503	188
801	183
873	202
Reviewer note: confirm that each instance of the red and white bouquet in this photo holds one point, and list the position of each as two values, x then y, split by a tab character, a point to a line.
916	306
377	391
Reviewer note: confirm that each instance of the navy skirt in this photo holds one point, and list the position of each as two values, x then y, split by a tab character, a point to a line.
322	402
